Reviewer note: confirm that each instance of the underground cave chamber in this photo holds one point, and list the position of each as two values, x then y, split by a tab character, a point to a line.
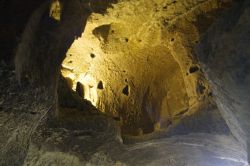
129	83
140	84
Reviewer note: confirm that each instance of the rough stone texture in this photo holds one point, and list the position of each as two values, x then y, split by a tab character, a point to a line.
21	111
46	40
193	149
29	135
225	54
143	52
22	108
76	138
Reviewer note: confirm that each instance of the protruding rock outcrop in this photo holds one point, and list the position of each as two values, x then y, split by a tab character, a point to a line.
224	53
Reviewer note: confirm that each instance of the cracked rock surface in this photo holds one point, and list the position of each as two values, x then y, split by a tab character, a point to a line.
140	96
225	55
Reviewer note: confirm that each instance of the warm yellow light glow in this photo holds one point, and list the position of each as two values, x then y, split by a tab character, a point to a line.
146	75
71	76
90	85
136	73
55	10
88	82
81	64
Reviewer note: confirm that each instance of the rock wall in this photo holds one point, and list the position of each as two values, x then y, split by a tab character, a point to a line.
143	54
46	40
136	63
225	55
14	15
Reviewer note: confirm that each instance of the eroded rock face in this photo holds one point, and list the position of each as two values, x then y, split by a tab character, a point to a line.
46	38
143	53
140	68
77	138
225	55
21	111
39	60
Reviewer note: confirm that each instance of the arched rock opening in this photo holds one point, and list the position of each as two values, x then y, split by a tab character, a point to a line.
163	87
146	62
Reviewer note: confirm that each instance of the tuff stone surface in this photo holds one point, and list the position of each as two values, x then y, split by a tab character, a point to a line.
144	54
154	105
225	55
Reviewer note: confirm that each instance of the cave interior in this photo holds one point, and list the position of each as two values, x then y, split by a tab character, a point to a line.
125	82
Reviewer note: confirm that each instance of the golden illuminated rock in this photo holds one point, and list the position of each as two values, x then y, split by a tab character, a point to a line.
133	92
56	10
143	52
